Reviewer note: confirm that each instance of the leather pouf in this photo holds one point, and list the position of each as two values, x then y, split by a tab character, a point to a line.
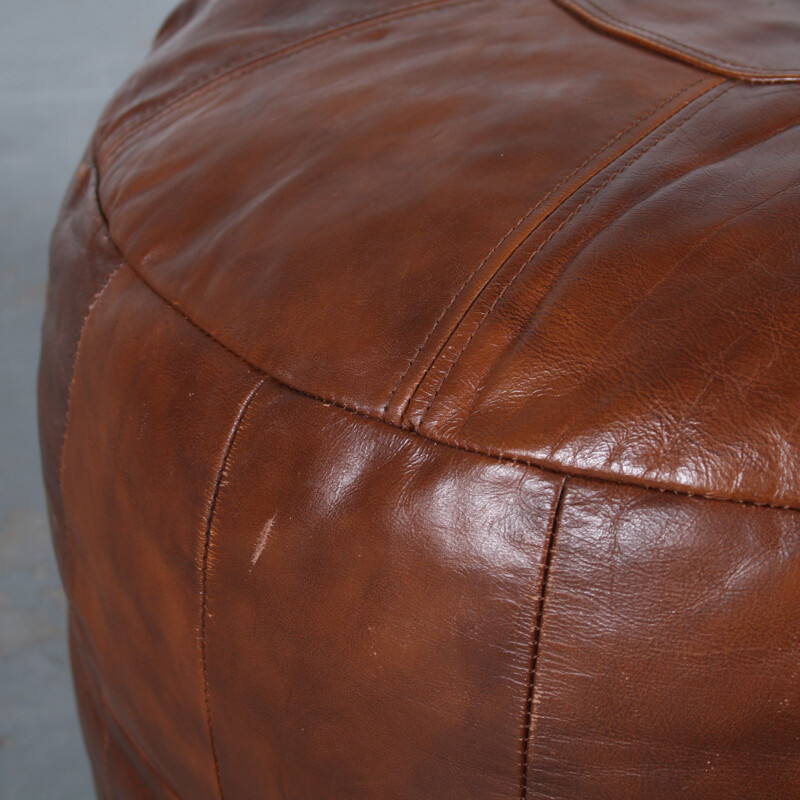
419	404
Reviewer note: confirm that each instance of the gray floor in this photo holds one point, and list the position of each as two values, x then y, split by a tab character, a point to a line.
59	62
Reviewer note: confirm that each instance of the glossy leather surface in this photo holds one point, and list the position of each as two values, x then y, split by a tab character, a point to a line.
419	399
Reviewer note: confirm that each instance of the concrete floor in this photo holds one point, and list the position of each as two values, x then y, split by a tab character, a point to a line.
59	62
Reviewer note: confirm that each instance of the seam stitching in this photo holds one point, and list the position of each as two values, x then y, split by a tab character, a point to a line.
536	635
204	566
682	46
454	444
70	391
562	224
81	636
512	230
256	61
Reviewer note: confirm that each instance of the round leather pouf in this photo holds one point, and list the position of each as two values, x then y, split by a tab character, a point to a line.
419	404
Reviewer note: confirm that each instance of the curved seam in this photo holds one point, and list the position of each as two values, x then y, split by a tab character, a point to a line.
650	145
71	388
258	54
687	48
514	228
536	635
80	638
240	68
107	711
204	564
454	445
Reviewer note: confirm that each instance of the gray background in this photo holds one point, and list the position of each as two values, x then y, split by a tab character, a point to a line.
59	62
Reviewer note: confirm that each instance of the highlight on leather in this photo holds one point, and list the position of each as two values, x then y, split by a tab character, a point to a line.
418	404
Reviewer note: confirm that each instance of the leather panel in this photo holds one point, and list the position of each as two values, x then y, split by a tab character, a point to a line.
120	771
82	258
669	649
748	39
151	408
648	332
204	41
371	604
365	188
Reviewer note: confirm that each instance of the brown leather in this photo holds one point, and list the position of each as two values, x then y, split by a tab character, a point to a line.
748	39
419	402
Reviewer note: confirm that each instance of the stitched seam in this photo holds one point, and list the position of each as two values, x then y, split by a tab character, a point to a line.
205	564
240	68
135	747
454	444
527	262
80	639
70	390
681	46
536	635
75	628
243	61
494	274
511	231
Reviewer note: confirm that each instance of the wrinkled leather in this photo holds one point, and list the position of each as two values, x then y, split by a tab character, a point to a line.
418	405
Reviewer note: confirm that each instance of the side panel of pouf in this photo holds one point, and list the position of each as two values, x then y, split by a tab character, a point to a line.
120	771
82	257
670	650
274	597
371	603
152	405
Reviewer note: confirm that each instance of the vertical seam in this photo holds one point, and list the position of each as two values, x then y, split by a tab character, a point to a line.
81	639
110	719
77	638
536	633
204	563
648	147
68	412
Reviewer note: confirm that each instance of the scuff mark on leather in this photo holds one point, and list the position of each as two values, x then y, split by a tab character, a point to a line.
263	537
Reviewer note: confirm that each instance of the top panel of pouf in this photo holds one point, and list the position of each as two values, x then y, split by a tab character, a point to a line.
486	221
